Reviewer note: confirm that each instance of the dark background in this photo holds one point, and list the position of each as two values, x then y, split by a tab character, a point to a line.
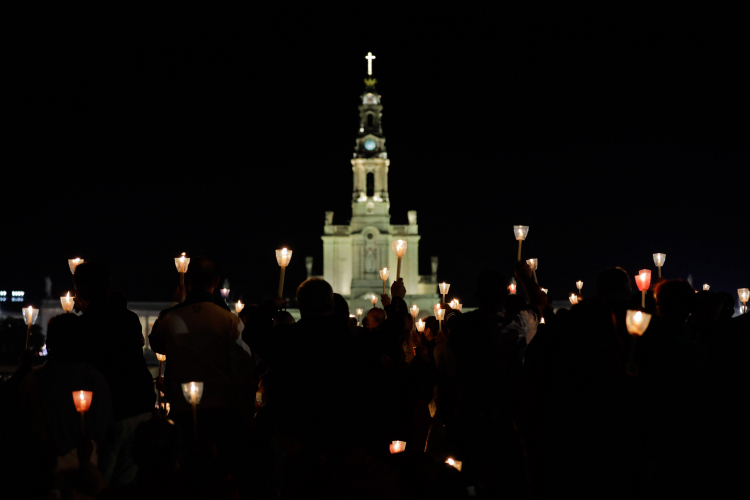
613	134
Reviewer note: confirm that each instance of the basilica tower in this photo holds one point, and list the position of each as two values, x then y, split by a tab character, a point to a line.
354	253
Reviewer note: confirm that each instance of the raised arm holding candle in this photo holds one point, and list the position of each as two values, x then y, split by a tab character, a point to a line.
283	256
182	263
659	259
520	232
444	287
29	317
67	302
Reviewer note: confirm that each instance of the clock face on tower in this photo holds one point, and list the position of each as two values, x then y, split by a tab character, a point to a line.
370	145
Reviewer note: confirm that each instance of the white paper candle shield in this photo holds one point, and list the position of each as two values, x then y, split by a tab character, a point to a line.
520	233
73	263
67	302
637	322
193	392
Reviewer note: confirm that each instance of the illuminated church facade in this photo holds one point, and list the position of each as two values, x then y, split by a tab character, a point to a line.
354	253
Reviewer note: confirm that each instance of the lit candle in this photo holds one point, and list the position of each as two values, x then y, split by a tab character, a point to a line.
744	294
224	293
384	273
546	291
455	463
420	326
579	285
542	321
182	263
573	299
399	246
82	401
533	264
444	287
67	302
193	391
73	263
359	315
659	259
520	232
453	304
283	256
29	317
706	287
643	280
397	446
162	358
239	306
636	322
373	299
414	311
512	288
440	315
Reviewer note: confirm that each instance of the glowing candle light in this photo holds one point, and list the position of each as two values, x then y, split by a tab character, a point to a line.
182	263
533	264
444	287
512	287
643	280
453	304
224	293
283	256
579	285
744	294
636	322
420	326
162	358
573	299
414	311
384	273
520	233
67	302
193	391
457	464
397	446
82	401
546	291
399	246
706	287
29	317
373	299
359	315
239	306
440	315
542	321
73	263
659	259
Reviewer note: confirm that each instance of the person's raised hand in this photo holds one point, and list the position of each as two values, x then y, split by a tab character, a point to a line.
179	294
522	270
385	299
84	450
398	289
280	302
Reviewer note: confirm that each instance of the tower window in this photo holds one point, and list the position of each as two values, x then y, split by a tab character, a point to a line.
369	119
370	184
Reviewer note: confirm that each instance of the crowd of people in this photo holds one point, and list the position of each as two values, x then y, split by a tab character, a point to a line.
512	400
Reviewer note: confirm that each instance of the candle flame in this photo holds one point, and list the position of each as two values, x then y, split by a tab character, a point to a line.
638	317
451	462
67	295
80	395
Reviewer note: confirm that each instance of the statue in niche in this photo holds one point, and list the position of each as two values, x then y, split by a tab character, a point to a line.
412	217
434	265
329	218
370	260
48	286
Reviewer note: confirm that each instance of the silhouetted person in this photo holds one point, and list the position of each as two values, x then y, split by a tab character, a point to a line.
112	342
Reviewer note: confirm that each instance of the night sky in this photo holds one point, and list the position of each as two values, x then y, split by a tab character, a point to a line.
613	135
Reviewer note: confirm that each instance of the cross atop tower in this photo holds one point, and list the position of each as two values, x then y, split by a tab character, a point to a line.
369	58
